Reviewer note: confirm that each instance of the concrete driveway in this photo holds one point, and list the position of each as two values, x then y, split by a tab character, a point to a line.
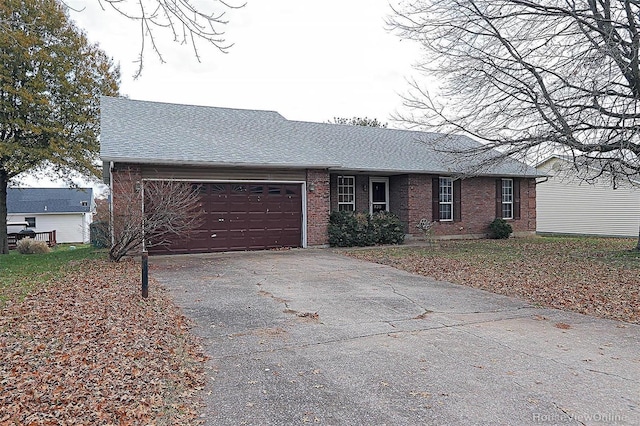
314	337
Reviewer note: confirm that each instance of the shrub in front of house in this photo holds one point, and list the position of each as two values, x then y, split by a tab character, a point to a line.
349	229
500	229
387	228
31	246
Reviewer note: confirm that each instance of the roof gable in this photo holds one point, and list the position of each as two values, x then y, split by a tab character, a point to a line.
160	133
49	200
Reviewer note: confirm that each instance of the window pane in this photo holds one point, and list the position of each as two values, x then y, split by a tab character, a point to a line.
446	190
31	222
218	188
274	190
346	193
507	190
445	197
446	212
379	194
507	211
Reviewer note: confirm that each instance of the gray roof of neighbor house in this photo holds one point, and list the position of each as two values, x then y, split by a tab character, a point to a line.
161	133
49	200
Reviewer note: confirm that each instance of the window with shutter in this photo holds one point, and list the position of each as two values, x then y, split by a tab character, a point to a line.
445	199
508	198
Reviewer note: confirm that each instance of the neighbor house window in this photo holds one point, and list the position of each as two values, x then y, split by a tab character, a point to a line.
346	193
446	198
507	198
31	222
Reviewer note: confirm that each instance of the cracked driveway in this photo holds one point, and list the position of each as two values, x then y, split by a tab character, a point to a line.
391	348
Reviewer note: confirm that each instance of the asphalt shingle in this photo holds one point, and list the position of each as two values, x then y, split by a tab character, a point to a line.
162	133
49	200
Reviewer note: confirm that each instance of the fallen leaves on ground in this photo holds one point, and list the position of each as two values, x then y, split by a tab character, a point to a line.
89	350
599	277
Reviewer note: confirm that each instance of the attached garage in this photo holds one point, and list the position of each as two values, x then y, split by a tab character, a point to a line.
243	216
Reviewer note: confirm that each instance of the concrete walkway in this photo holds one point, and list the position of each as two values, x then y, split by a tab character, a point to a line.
315	337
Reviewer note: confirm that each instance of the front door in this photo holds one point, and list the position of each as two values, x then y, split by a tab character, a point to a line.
378	194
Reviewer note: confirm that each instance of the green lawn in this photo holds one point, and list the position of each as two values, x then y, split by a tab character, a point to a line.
21	273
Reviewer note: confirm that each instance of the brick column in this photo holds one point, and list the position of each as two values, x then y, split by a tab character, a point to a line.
318	207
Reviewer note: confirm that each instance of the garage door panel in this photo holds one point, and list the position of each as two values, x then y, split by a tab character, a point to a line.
244	216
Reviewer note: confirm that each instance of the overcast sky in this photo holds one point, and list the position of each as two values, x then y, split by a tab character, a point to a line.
308	60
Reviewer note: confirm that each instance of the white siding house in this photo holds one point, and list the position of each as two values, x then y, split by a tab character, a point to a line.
568	205
68	211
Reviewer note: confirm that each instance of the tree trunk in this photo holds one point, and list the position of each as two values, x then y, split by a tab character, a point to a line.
638	246
4	182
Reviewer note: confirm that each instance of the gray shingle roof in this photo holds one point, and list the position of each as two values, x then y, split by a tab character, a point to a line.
49	200
161	133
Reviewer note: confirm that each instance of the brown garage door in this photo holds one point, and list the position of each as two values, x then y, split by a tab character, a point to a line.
244	216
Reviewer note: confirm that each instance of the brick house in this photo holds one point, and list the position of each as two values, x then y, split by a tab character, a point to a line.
267	182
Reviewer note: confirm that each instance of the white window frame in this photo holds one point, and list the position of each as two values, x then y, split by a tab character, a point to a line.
342	185
507	197
445	183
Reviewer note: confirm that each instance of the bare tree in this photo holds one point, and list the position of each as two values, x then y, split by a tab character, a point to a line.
171	208
358	121
523	75
531	77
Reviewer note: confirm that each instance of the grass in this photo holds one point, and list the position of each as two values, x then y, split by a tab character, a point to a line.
21	273
594	276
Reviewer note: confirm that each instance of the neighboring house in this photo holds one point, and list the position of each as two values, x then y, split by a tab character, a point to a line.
68	211
568	204
270	182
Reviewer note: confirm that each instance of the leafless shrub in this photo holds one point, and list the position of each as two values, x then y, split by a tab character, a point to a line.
31	246
170	208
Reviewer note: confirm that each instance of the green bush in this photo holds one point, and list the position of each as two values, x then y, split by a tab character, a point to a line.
500	229
31	246
348	229
387	228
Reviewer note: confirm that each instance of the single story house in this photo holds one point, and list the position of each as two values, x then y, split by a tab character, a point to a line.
68	211
569	204
270	182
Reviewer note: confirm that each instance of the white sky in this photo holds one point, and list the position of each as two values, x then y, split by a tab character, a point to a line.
308	60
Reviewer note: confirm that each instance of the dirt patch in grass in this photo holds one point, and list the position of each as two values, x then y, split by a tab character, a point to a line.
87	349
594	276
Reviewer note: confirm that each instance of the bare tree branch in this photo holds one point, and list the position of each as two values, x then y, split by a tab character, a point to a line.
186	22
171	208
530	77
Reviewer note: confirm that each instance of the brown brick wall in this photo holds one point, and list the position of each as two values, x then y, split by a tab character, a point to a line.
318	207
419	201
124	175
410	199
478	209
